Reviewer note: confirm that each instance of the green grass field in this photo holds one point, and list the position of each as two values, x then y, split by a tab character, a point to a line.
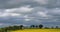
38	30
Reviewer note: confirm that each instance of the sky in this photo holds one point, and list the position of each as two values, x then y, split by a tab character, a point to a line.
28	12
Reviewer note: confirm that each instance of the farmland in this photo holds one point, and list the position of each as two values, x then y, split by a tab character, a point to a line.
37	30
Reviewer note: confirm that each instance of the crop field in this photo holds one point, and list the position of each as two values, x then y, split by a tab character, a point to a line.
38	30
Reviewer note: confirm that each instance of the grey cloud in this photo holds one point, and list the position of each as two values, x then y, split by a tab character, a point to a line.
18	3
53	4
50	8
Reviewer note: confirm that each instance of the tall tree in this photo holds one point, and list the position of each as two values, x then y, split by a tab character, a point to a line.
21	26
40	26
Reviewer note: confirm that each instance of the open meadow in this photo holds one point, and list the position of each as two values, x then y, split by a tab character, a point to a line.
38	30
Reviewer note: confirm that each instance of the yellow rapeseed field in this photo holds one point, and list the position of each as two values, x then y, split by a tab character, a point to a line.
38	30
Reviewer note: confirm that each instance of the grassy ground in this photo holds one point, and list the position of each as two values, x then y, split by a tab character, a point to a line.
38	30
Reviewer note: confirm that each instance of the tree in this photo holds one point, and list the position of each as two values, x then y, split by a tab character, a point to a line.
32	26
52	27
10	27
36	26
21	26
46	27
40	26
57	27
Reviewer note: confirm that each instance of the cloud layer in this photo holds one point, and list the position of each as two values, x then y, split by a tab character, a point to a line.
30	12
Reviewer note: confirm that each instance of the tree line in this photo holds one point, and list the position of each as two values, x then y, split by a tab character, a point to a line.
20	27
